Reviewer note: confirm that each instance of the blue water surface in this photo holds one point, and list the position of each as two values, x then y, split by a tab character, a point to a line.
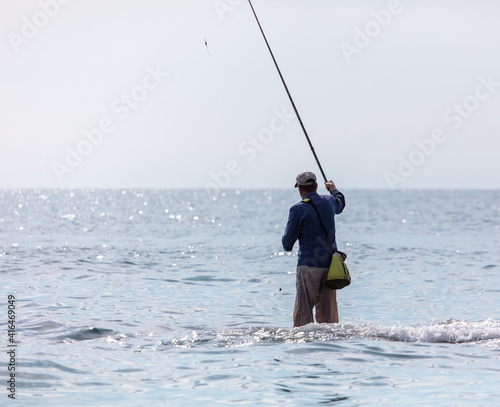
185	298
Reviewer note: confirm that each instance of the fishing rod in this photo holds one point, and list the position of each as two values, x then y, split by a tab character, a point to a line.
288	93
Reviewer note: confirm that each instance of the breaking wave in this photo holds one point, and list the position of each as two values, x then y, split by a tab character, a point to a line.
451	331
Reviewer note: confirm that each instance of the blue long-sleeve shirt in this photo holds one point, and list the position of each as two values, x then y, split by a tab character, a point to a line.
304	225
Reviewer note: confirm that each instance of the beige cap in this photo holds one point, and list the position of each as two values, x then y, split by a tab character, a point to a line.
305	178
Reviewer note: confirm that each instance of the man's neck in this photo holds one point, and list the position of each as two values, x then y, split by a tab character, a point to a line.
303	194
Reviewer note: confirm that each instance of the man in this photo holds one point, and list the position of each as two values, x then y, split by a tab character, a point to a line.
314	253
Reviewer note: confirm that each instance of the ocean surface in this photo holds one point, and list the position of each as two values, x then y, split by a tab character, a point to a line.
185	298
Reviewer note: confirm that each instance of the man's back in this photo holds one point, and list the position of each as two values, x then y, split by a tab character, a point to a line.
304	225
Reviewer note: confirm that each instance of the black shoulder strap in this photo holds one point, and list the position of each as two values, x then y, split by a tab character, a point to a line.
328	240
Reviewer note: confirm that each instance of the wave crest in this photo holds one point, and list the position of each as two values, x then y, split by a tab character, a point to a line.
451	331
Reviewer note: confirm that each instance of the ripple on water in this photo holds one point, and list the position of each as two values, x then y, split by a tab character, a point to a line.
88	334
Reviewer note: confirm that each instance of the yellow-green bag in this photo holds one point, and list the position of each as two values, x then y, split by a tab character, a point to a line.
338	275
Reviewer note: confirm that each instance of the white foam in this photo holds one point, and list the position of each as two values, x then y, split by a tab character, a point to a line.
451	331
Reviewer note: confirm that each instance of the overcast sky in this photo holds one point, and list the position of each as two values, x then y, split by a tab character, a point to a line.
121	93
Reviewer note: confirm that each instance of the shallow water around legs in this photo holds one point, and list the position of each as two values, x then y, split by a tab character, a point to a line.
185	298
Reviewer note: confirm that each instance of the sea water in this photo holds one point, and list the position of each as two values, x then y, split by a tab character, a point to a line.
185	298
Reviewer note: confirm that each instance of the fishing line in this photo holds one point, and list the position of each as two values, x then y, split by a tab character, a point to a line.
288	93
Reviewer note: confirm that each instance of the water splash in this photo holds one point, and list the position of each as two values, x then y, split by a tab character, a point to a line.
451	331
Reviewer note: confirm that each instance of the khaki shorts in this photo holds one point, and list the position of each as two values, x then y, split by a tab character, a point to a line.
312	292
